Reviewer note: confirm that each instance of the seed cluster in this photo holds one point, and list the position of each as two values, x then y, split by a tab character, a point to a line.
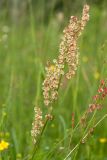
85	16
73	120
99	97
68	55
97	101
51	82
68	47
37	124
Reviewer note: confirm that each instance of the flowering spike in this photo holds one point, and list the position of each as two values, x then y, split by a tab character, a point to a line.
68	54
37	124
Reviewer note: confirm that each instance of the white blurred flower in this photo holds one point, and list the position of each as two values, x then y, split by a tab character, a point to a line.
5	29
4	37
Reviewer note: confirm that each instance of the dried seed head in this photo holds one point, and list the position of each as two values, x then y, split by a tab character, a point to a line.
83	141
68	47
85	16
49	116
37	124
51	82
68	54
91	131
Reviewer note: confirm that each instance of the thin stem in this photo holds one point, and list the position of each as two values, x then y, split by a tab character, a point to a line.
85	136
100	120
74	104
72	151
62	141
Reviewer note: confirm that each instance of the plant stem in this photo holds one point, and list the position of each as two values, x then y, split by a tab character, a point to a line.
85	136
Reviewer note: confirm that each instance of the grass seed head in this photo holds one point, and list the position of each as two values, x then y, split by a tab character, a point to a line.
37	124
68	54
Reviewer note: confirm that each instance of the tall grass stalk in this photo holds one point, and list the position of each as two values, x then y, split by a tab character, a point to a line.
85	137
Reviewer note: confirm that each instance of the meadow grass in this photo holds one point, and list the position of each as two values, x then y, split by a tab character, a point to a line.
22	60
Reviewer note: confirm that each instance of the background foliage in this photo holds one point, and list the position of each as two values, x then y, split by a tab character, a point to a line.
30	33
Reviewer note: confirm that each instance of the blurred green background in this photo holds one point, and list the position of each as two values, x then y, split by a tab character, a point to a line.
30	34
